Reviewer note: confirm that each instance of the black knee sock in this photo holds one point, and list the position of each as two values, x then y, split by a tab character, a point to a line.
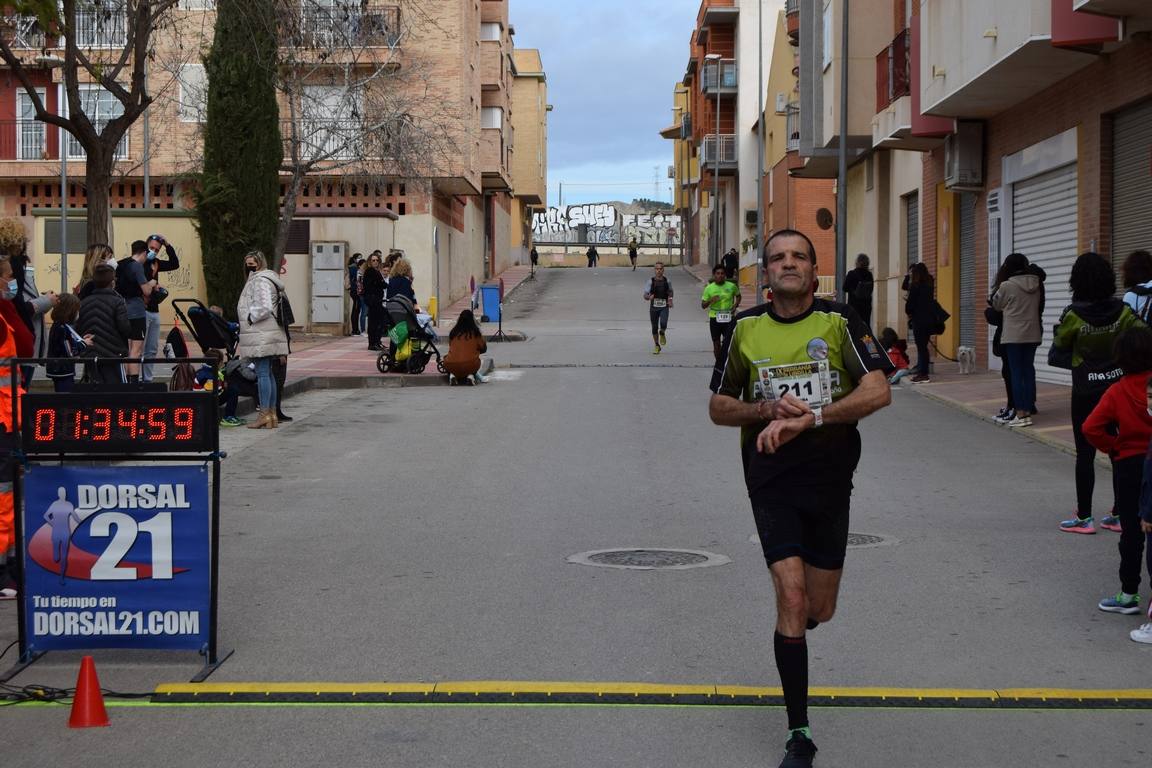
792	664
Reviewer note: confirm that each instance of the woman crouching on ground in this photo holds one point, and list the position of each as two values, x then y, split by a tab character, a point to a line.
261	337
465	345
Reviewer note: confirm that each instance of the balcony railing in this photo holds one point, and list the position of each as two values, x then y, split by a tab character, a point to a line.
792	6
22	32
31	140
723	151
102	26
324	139
792	127
893	71
727	75
340	24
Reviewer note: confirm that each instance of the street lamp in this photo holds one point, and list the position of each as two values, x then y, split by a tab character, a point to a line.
51	62
715	59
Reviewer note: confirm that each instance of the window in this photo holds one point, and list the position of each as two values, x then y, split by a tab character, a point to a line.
491	117
490	30
331	125
31	135
827	62
101	107
193	80
101	24
197	5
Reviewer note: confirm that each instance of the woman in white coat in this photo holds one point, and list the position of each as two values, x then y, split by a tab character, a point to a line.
261	337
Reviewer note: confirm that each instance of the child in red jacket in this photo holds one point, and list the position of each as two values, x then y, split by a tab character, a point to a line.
1121	426
897	350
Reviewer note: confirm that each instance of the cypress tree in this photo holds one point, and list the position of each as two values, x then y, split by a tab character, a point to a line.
237	204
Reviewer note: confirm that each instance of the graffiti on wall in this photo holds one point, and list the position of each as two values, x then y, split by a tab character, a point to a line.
604	223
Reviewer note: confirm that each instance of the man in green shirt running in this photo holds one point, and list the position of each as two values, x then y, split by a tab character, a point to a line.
721	298
798	374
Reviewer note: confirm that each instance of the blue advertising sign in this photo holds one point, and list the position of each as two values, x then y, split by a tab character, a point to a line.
116	557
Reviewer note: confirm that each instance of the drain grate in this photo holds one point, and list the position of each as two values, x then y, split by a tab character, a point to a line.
649	558
862	540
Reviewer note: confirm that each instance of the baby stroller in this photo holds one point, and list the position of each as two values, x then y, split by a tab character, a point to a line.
211	331
397	310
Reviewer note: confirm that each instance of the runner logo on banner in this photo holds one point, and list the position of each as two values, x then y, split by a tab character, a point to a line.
117	557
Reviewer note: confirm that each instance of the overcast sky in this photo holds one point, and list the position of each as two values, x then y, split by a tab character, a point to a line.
611	67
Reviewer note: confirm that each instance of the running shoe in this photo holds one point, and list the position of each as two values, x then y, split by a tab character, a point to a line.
231	421
1019	421
798	752
1143	634
10	593
1121	603
920	379
1005	415
656	351
1078	525
1110	523
663	339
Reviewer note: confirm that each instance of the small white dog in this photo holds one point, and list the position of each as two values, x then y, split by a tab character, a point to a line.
966	356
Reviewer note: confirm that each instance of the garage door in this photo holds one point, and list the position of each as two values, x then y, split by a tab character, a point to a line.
1131	182
968	305
1044	229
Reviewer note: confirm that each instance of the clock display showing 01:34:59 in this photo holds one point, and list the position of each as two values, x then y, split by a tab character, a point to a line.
113	422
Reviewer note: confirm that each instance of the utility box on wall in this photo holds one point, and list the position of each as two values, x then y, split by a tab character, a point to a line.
329	261
964	157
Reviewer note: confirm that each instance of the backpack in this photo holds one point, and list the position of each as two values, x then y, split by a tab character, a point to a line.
1145	311
862	293
284	314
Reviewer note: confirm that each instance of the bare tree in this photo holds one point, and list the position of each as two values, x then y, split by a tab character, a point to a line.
103	43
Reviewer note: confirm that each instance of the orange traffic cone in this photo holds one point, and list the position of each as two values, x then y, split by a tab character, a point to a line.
88	703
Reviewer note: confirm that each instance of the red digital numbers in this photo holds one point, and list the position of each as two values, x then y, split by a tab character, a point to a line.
157	424
182	418
126	419
44	426
101	424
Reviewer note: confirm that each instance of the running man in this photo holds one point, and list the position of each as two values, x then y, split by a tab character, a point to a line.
60	515
797	375
633	252
658	294
721	298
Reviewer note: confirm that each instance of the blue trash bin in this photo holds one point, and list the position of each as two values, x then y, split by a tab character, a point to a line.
490	300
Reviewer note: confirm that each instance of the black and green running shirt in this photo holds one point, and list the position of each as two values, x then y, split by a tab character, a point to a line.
820	357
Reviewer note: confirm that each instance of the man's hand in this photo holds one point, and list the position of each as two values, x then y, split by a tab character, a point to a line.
52	297
1146	527
781	431
789	407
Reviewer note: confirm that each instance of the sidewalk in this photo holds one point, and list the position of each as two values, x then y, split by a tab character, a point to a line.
346	361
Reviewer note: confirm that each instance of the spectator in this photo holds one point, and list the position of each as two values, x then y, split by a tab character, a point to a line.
64	341
921	309
15	341
1137	275
731	263
33	307
104	317
897	350
400	280
358	317
465	345
858	285
1083	342
97	254
1019	295
372	282
136	287
593	256
153	266
1121	427
262	337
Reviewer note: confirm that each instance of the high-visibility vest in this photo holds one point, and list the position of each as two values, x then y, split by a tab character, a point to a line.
7	352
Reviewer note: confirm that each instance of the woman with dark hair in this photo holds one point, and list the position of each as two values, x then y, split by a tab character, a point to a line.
1121	427
1083	342
352	285
372	280
921	308
1019	296
465	345
1137	276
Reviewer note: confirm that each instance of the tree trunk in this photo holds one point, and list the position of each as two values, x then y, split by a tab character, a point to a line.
287	213
98	182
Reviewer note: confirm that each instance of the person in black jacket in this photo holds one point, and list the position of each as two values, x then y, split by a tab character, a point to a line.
104	316
153	266
372	282
921	308
63	341
858	286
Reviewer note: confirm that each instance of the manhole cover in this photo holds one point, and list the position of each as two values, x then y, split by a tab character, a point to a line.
649	558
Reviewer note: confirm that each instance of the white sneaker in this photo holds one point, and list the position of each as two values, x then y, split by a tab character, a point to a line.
8	593
1143	634
1020	421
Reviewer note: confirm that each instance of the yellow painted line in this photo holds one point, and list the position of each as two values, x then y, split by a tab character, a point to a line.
905	693
352	688
747	690
1061	428
1073	693
546	687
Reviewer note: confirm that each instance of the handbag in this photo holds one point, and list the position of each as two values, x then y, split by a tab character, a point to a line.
939	318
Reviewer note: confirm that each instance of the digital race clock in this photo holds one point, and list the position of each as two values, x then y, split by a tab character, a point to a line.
118	422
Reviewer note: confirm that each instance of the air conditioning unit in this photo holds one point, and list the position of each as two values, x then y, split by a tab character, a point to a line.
781	103
671	171
964	157
750	218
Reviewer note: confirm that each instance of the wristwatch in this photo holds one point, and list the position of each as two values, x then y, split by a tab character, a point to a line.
817	417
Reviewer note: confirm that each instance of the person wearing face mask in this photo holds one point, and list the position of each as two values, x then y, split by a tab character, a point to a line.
33	307
153	266
133	283
1121	426
97	254
262	338
15	341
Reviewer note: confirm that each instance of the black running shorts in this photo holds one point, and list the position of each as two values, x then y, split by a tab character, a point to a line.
138	327
720	331
806	522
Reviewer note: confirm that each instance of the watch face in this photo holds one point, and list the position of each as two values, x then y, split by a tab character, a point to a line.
119	422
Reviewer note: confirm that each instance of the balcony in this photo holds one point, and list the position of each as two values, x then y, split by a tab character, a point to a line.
22	32
494	175
893	73
103	26
792	21
1113	7
715	80
719	155
792	127
28	140
327	24
322	139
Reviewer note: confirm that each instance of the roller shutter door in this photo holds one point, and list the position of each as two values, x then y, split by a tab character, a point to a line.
1044	226
968	309
912	238
1131	182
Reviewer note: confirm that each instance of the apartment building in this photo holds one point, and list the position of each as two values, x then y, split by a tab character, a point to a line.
530	110
364	70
